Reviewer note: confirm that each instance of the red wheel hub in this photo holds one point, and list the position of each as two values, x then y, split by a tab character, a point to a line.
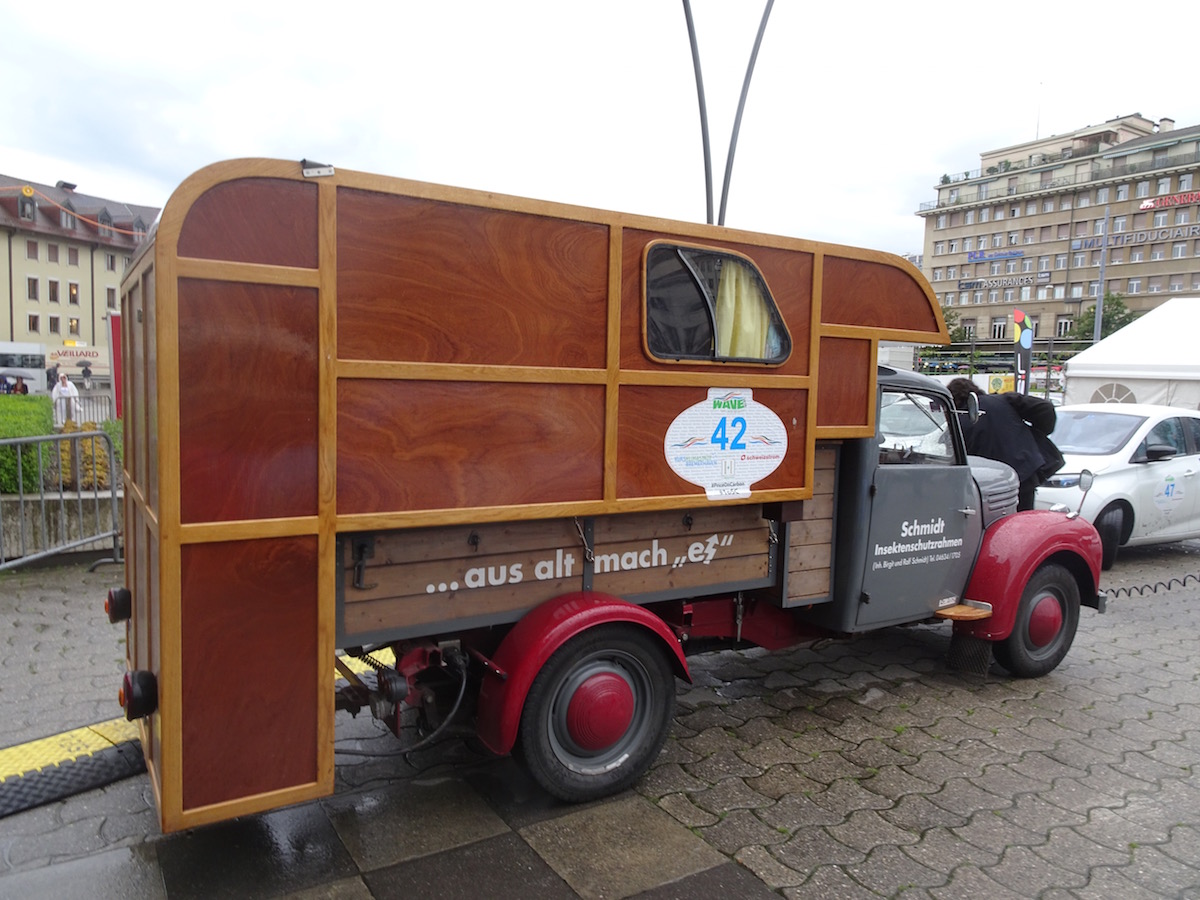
1045	621
600	711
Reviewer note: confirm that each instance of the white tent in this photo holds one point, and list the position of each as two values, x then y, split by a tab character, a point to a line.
1153	359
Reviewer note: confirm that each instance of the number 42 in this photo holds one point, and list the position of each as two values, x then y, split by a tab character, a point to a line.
721	438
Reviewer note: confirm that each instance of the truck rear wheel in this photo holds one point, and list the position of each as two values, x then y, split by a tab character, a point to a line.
597	713
1045	625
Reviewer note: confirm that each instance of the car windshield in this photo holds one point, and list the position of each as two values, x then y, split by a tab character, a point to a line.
1093	433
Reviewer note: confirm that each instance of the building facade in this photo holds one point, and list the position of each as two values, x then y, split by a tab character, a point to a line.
64	254
1046	226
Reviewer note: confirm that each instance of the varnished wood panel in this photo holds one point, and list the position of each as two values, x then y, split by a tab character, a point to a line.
428	281
646	411
254	220
408	445
874	295
844	395
247	401
788	274
249	668
810	538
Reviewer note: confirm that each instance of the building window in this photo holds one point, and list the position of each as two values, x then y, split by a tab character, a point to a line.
994	268
1064	202
110	262
33	323
939	249
941	221
31	250
72	256
112	298
31	289
1060	260
1101	195
1078	261
994	295
978	296
27	208
968	243
1137	254
1028	236
1096	255
954	246
1178	251
1185	181
1013	239
1116	256
52	291
73	293
1064	231
1176	284
1164	185
1063	326
969	217
73	325
1060	292
1134	286
999	329
937	274
984	214
1008	295
1083	201
1026	291
949	300
1143	189
1010	267
1156	284
1077	291
1027	264
1048	205
997	240
1160	219
66	219
1098	227
1043	264
1014	212
1119	223
1093	289
968	326
52	324
1157	252
951	272
52	253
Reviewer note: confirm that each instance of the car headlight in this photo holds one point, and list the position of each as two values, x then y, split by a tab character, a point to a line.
1063	480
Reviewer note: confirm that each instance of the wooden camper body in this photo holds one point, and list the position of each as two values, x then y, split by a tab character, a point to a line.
354	403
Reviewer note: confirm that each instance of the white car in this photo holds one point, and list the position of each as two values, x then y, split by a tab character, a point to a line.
1146	460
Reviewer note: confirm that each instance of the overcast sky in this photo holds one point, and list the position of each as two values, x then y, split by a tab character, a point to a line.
854	112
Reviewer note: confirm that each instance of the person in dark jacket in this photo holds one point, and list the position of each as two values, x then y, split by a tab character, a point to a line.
1012	428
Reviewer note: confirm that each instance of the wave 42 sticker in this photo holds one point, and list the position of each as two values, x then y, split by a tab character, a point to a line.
726	443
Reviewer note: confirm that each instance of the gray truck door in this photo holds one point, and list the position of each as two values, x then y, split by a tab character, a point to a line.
925	517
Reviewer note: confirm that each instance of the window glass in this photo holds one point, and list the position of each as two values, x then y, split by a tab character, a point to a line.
914	430
1193	429
1168	432
708	304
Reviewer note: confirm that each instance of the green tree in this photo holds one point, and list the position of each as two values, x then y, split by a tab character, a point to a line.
1116	316
958	334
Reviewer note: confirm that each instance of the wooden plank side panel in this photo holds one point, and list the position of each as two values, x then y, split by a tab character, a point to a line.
810	538
872	295
249	731
432	281
844	395
789	277
646	412
409	445
253	220
248	401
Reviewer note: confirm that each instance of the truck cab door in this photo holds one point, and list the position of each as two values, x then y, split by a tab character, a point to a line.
925	514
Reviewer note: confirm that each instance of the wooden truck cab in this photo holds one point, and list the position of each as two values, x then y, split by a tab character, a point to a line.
361	409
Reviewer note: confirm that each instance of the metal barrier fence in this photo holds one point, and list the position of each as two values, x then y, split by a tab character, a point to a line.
90	406
66	496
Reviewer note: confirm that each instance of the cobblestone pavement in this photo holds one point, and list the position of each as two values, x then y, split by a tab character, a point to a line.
858	769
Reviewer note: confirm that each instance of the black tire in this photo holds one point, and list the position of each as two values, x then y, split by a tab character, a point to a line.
1110	525
1047	619
623	689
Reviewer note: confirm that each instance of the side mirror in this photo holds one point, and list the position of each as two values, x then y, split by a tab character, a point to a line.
973	407
1160	451
1086	479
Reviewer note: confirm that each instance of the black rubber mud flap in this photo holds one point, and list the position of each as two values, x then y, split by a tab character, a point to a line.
969	654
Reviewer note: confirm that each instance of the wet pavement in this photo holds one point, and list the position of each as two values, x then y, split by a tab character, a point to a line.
861	769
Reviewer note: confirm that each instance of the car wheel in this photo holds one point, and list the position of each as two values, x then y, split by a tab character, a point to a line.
1044	630
1110	525
597	713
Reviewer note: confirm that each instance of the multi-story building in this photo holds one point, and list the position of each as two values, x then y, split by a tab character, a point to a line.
61	267
1045	226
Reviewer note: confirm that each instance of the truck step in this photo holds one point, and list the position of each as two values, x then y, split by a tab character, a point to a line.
966	612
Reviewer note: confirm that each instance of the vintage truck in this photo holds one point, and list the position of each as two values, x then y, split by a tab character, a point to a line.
502	463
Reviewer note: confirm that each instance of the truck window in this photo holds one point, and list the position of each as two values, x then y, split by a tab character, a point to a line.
704	304
914	429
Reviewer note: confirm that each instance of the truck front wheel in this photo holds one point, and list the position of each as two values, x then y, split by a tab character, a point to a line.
597	713
1045	625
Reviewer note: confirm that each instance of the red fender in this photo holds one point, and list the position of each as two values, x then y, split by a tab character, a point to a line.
1012	550
534	639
